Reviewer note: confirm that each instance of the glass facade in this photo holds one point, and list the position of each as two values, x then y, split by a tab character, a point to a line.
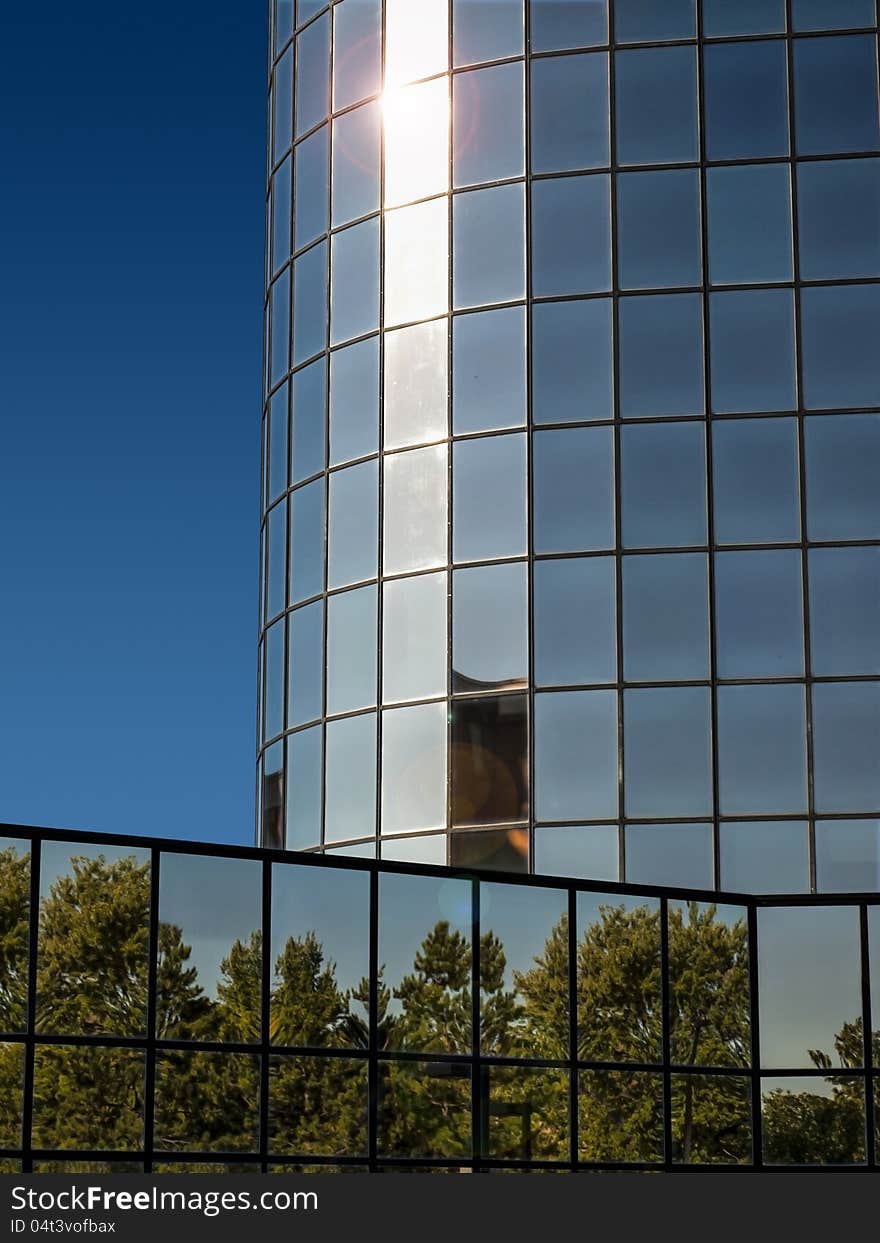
571	534
173	1007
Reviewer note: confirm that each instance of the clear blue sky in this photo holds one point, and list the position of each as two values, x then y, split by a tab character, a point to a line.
131	244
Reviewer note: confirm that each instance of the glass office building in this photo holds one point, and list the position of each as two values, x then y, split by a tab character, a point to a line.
172	1007
571	529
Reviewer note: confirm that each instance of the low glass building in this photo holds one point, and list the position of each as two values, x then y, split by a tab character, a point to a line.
571	528
170	1007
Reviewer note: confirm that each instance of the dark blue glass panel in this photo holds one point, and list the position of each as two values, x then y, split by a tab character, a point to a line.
646	21
576	755
752	351
279	319
274	698
656	98
663	485
835	95
276	561
665	617
762	750
489	370
304	769
283	23
742	17
572	361
356	161
278	451
283	93
667	752
311	199
569	113
305	664
843	466
354	289
574	490
281	216
661	356
846	726
749	219
313	75
309	420
831	14
844	611
310	303
746	89
759	627
658	229
489	247
571	235
490	627
840	331
567	23
307	541
486	30
839	219
489	498
756	489
575	637
488	126
354	401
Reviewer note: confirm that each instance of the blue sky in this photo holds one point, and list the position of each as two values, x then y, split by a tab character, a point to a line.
131	244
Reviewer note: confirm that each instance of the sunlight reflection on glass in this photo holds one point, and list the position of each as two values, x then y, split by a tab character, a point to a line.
416	122
416	40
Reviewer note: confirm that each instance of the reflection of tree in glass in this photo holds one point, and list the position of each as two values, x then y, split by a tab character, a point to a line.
15	877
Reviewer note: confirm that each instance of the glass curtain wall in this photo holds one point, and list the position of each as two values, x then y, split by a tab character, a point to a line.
571	535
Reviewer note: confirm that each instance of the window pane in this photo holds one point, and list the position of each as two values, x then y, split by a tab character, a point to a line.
608	1103
354	291
665	617
415	510
490	629
656	97
425	946
351	650
813	1121
210	914
277	465
12	1064
489	246
305	663
313	74
762	750
273	700
354	502
809	983
643	21
835	95
15	884
840	329
846	726
576	755
312	174
279	325
414	768
658	222
711	1119
304	767
486	31
661	356
320	946
357	51
489	367
749	210
743	17
416	121
571	236
283	97
429	849
575	634
752	351
276	561
310	303
667	746
208	1102
765	856
839	219
94	933
309	420
354	401
424	1108
356	157
572	361
416	39
90	1098
710	1019
758	614
489	498
307	541
569	113
527	1113
490	760
283	23
755	475
271	810
848	856
843	462
580	851
490	850
663	485
350	800
845	610
318	1105
574	490
746	109
416	384
416	262
281	216
568	23
414	637
669	854
816	14
488	124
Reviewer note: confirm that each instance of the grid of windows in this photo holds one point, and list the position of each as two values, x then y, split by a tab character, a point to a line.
251	1011
571	533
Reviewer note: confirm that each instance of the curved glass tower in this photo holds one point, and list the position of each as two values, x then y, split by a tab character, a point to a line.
571	533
